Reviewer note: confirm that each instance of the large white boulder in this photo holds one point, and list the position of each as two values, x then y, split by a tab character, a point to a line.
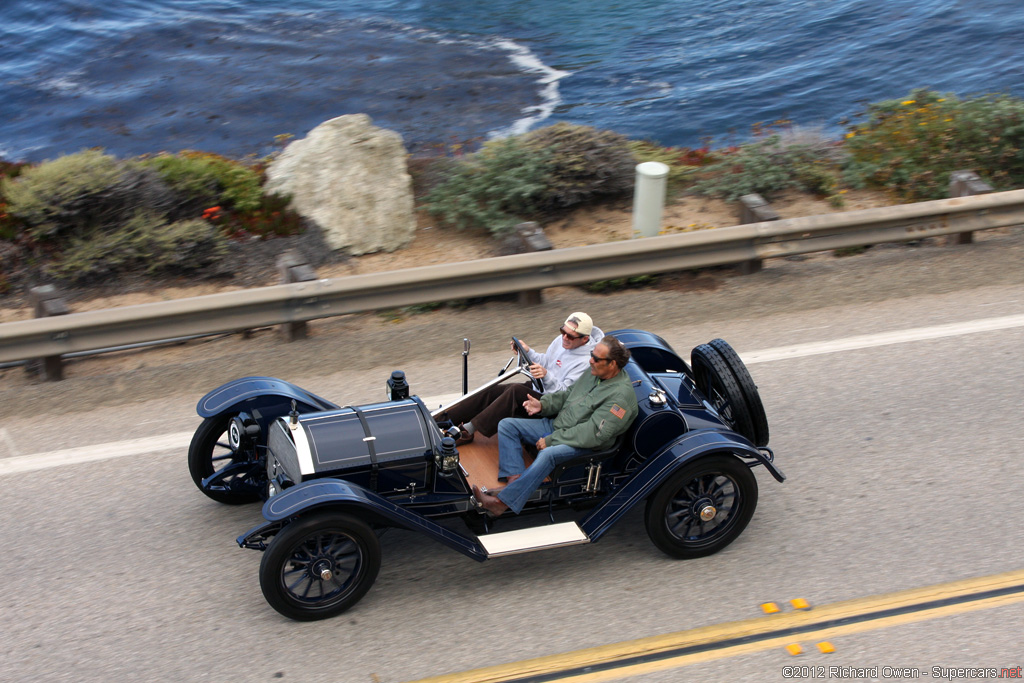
351	179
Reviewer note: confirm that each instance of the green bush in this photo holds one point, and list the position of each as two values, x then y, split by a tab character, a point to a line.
208	180
910	146
77	194
146	243
770	166
533	175
584	164
494	188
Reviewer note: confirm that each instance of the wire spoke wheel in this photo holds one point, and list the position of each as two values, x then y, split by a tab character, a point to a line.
320	566
703	507
242	476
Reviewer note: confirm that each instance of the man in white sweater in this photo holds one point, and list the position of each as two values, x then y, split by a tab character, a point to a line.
557	368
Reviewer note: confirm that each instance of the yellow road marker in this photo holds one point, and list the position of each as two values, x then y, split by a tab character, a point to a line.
800	603
769	608
674	650
826	647
794	649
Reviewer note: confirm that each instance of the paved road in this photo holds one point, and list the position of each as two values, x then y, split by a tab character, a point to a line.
905	465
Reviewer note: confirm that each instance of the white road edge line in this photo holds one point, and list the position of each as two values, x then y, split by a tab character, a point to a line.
178	443
866	341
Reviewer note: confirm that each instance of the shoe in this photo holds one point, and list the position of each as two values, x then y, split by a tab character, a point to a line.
491	504
464	437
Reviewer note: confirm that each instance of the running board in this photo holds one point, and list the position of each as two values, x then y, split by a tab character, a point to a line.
534	538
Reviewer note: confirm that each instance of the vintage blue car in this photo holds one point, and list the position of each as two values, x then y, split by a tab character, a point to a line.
335	477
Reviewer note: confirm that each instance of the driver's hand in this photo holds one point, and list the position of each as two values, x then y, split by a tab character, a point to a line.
526	347
541	444
538	371
532	405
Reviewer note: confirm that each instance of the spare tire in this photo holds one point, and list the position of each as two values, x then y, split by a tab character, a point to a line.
718	384
758	419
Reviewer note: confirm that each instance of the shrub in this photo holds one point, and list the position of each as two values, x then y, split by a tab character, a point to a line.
206	180
493	188
147	243
584	164
76	194
910	146
532	175
9	224
769	166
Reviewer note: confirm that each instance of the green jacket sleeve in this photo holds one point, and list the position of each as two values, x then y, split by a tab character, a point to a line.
551	404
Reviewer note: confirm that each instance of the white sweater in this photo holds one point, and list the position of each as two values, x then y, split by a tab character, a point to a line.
565	366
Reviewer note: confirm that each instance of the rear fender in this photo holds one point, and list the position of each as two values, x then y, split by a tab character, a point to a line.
336	494
654	471
255	393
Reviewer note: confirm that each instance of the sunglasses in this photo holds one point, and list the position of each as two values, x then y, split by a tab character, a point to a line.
597	359
570	335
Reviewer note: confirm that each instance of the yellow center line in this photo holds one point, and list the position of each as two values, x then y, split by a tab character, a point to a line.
618	660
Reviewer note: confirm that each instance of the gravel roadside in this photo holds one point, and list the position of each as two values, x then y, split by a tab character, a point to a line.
388	340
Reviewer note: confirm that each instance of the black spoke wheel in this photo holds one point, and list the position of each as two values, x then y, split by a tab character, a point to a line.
210	452
319	566
718	384
703	507
758	419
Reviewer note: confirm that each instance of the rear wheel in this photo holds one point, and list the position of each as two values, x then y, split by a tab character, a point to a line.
758	419
319	566
718	384
242	476
703	507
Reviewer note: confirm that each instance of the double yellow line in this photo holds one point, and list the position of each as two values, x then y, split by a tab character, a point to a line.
630	658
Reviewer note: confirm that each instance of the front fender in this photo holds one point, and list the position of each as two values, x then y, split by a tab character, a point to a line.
318	494
248	393
657	469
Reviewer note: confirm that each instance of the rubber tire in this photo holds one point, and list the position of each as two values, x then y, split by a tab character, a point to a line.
755	408
298	532
658	506
200	460
711	371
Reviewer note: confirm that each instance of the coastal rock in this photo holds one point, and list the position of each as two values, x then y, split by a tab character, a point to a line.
351	179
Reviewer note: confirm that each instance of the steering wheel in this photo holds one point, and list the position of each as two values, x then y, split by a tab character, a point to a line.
524	365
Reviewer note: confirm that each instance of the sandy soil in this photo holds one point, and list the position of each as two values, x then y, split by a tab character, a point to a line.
432	245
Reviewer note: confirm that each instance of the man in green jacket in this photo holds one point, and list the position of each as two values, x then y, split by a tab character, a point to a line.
584	418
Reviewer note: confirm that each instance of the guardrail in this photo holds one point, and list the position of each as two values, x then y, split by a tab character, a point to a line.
303	301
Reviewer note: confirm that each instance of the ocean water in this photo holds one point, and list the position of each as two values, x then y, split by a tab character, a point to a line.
228	76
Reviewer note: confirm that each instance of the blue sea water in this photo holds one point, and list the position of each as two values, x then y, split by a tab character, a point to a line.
228	76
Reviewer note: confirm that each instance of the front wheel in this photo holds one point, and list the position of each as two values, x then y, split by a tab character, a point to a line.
319	566
703	507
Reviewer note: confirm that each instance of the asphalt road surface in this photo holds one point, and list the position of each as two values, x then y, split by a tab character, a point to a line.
895	408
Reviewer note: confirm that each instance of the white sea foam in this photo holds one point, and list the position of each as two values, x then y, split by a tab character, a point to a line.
525	59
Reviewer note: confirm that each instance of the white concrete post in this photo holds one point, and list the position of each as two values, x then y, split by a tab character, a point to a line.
649	198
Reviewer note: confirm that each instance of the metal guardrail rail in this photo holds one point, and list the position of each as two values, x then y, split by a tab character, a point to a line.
300	301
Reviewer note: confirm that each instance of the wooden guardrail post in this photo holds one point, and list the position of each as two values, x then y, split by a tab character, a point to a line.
532	238
293	268
47	301
965	184
755	209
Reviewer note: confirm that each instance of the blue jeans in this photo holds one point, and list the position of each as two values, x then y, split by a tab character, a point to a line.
513	432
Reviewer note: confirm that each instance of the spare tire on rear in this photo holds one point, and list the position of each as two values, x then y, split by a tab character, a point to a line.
718	384
758	419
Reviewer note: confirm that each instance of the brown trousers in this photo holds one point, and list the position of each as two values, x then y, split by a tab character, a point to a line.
486	409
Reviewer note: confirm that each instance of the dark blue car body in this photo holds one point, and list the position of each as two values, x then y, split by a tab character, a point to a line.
334	477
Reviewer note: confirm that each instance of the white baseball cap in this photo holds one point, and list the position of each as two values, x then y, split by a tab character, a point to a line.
582	321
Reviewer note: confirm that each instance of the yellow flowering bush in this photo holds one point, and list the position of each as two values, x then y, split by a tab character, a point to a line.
911	145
